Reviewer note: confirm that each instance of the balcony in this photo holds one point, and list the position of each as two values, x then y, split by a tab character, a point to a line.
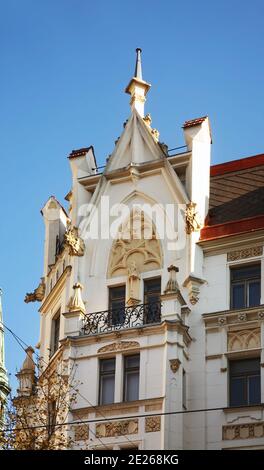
120	319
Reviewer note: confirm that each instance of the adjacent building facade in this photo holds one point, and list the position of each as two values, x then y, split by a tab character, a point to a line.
153	293
4	385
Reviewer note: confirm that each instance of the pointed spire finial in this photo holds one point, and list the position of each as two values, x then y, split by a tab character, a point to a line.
138	68
137	87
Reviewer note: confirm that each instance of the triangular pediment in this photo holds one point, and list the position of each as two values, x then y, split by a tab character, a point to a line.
135	146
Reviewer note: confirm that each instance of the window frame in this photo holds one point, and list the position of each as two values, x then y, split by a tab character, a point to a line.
110	309
245	375
146	303
55	338
126	370
103	374
245	283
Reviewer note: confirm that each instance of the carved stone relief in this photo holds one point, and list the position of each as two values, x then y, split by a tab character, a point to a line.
246	253
192	219
38	294
174	365
113	347
117	428
243	431
244	339
136	245
81	432
152	424
74	242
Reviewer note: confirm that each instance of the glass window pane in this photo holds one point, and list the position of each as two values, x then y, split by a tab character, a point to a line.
245	366
254	293
238	296
132	386
246	272
254	389
238	391
107	389
132	361
108	365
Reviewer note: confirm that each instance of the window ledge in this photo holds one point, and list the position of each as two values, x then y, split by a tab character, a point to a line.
233	409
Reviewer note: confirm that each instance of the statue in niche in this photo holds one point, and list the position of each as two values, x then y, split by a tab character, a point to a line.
133	283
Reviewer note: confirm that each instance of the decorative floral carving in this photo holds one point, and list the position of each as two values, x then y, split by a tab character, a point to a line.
192	219
74	242
243	431
117	428
38	294
222	321
242	317
174	365
152	424
81	432
261	315
246	253
136	243
113	347
244	339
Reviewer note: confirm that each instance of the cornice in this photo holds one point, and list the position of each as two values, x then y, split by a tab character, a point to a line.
145	330
238	241
240	317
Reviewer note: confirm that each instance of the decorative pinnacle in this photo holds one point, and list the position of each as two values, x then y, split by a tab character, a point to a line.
138	68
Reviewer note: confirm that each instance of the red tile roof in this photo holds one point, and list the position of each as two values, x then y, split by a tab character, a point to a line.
236	198
194	122
235	165
79	152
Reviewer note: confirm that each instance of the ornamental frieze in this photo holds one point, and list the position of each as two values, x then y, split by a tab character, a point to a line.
245	253
243	431
114	347
152	424
81	432
244	339
117	428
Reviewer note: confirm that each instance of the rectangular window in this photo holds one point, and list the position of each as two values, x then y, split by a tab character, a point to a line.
244	382
55	333
131	377
245	286
117	303
107	381
152	291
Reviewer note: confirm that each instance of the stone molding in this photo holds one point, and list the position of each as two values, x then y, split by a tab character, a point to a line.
245	253
120	346
244	339
234	317
243	431
117	428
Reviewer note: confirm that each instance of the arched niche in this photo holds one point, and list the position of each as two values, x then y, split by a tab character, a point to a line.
136	248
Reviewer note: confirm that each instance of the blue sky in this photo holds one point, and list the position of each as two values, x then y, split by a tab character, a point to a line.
64	66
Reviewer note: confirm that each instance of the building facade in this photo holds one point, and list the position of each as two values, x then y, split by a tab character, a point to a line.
4	384
153	293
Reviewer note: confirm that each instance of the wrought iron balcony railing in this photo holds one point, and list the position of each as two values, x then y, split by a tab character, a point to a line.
119	319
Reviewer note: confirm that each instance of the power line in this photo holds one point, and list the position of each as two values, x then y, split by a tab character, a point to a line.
145	415
20	340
